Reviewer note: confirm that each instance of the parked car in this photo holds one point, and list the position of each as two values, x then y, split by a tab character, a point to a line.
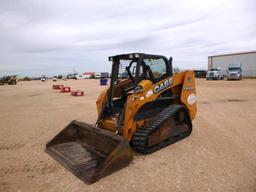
72	76
97	75
43	79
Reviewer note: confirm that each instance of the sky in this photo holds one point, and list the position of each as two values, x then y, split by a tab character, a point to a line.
61	36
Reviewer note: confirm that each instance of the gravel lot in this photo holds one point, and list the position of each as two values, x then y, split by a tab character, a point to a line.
220	154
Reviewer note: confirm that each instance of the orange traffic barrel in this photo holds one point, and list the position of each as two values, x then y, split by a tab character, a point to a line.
57	86
77	93
65	89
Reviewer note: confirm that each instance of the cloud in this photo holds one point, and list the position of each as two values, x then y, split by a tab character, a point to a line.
52	37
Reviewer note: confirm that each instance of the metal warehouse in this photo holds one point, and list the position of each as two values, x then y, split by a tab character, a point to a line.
246	59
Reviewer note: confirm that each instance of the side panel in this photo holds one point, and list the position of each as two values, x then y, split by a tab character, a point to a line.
150	109
101	99
188	94
152	91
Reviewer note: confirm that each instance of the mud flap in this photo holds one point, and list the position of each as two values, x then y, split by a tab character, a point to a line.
88	152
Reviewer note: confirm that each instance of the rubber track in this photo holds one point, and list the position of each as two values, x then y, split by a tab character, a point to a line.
139	140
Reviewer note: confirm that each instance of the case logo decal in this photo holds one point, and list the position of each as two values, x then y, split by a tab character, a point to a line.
163	85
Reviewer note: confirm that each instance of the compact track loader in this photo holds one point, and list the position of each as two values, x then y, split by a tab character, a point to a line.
10	80
150	109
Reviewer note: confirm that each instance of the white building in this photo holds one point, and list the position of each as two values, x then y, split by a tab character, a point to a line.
246	59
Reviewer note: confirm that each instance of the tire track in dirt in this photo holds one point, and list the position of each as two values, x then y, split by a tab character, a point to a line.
42	169
11	146
5	187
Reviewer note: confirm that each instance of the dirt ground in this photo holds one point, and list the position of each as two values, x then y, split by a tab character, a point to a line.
220	154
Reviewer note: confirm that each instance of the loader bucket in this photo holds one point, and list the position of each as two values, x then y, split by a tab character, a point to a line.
88	152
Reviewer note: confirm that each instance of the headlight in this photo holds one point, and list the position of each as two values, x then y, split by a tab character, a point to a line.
137	55
131	56
191	99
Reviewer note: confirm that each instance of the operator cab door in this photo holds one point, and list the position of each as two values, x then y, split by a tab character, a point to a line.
155	69
124	84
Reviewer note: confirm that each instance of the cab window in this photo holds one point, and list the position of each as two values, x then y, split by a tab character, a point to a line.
157	67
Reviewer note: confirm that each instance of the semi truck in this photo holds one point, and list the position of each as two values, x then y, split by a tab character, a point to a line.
214	74
234	71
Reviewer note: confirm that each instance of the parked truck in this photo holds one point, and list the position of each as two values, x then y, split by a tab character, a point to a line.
214	74
200	73
97	75
234	71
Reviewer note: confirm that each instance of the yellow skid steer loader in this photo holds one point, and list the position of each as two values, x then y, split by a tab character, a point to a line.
145	108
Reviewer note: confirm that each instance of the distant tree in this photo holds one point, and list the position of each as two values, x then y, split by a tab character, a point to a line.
60	76
176	70
26	79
